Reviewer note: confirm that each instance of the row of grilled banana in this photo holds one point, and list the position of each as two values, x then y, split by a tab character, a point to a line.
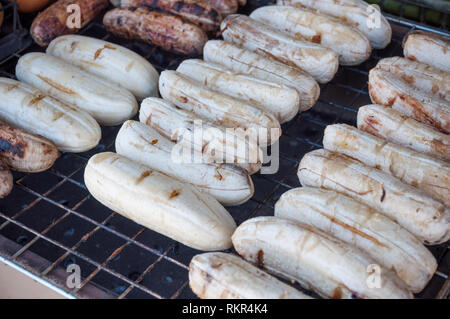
365	204
62	96
418	85
370	200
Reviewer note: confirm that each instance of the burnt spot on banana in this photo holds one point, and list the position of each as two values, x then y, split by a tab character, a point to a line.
16	148
260	259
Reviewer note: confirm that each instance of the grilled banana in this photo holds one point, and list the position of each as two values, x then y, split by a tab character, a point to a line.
352	46
363	227
397	128
240	60
217	107
159	202
422	171
423	216
317	261
228	184
109	61
428	48
25	107
210	140
277	99
226	276
320	62
26	152
389	90
108	103
357	13
6	180
422	76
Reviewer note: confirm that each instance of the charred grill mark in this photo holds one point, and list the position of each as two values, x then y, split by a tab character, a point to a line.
99	51
174	193
352	229
317	38
371	123
143	176
435	89
56	85
337	293
36	99
383	193
12	87
260	259
408	79
216	265
149	120
16	148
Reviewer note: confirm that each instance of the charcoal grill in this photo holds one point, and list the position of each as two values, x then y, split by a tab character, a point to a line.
50	221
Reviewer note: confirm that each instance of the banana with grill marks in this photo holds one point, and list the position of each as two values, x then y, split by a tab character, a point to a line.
363	227
321	63
240	60
423	216
159	202
228	184
108	103
317	261
210	140
217	107
226	276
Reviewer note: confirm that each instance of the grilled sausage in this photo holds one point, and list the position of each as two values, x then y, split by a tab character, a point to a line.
419	170
356	13
199	12
71	129
277	99
316	260
428	48
422	76
321	63
228	184
159	202
352	46
363	227
109	61
214	142
218	108
161	29
226	276
389	90
26	152
108	103
225	7
56	19
423	216
244	61
397	128
6	179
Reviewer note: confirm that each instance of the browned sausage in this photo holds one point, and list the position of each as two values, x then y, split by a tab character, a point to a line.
161	29
225	7
6	180
52	22
26	152
199	12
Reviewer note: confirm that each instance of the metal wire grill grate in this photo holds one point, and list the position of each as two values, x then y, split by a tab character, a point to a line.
52	214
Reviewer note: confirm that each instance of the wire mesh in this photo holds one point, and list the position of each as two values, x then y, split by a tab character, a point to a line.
53	215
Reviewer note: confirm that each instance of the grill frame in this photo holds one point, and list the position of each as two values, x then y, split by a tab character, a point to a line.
43	203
